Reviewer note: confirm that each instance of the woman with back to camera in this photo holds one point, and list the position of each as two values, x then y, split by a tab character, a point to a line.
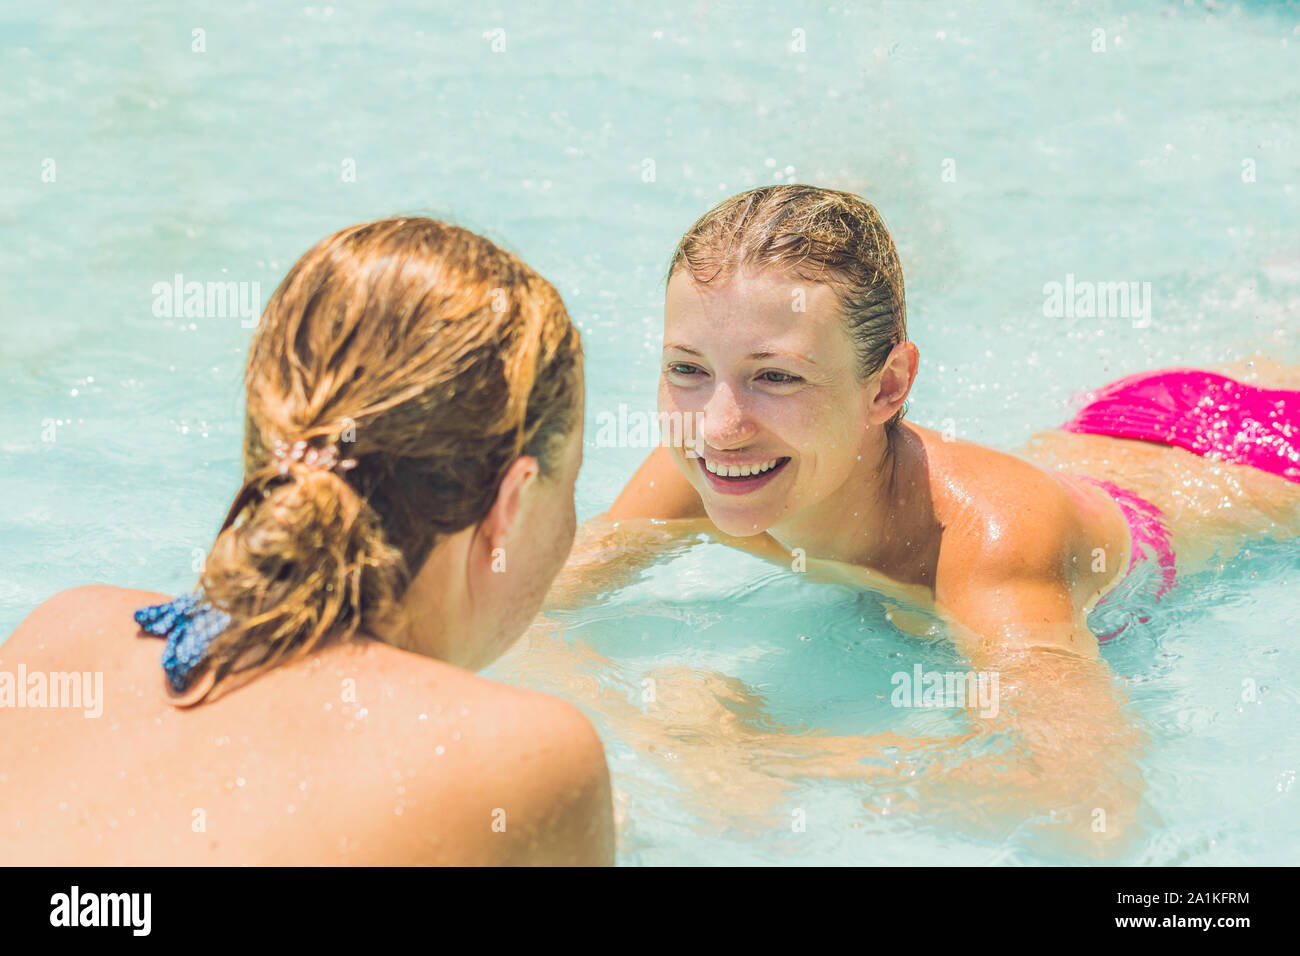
412	438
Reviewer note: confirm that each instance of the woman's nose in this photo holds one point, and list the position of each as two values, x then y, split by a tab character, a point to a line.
725	423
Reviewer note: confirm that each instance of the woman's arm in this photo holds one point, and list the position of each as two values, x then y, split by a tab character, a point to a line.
652	517
1014	604
658	490
657	514
1067	746
608	555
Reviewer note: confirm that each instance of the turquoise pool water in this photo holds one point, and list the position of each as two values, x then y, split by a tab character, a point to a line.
1004	149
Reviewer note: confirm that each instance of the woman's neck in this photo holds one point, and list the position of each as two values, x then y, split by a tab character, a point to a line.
879	518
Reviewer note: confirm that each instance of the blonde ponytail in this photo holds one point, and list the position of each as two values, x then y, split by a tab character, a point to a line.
429	357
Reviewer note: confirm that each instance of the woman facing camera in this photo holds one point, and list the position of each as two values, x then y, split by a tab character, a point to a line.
786	366
785	343
412	438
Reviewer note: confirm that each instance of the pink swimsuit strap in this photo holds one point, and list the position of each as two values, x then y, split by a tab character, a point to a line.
1203	412
1150	538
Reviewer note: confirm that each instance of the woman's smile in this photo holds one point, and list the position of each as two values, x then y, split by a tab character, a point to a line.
739	477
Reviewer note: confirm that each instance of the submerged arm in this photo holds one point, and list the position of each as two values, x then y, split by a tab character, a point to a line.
1064	746
1016	614
657	514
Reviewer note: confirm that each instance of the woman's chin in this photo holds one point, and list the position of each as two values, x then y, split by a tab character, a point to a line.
737	523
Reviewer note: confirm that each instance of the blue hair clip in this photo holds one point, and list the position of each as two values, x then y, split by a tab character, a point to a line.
189	624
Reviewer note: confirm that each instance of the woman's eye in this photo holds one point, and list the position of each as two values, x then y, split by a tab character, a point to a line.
780	378
679	368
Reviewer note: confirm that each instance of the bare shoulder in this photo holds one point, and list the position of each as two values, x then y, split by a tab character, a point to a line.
657	490
1003	514
513	776
78	615
1010	570
551	763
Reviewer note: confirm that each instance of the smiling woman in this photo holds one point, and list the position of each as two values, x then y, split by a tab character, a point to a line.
785	335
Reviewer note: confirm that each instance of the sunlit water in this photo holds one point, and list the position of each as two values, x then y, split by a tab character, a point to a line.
1004	149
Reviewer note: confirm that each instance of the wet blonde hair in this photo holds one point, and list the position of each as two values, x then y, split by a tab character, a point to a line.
814	234
433	360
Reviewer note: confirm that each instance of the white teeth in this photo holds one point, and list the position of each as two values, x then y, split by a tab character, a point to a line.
740	471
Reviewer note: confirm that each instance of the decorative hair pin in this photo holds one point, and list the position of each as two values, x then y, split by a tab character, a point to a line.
325	458
190	624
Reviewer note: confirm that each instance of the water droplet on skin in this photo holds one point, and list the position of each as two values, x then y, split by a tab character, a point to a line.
440	750
302	784
424	716
361	714
289	809
397	810
239	781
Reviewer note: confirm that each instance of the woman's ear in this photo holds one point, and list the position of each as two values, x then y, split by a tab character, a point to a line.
894	382
509	501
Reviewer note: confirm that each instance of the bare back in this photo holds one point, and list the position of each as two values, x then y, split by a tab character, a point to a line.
358	754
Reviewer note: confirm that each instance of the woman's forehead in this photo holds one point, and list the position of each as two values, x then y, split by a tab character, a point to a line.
767	312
